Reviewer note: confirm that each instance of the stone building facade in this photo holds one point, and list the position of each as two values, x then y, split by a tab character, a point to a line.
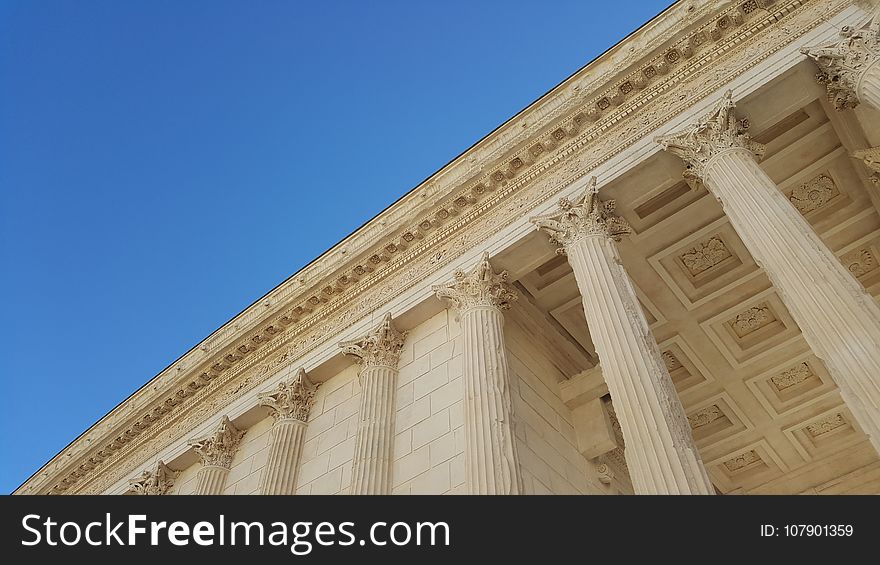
661	277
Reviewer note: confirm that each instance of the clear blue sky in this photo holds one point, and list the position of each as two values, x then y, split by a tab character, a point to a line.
164	164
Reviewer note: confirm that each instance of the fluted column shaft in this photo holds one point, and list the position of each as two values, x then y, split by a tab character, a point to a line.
371	472
490	458
839	320
211	479
285	451
869	86
378	352
289	403
660	452
491	465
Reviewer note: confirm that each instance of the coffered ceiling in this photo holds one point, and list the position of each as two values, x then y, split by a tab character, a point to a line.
765	414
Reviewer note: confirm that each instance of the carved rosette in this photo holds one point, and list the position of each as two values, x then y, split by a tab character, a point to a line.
291	399
587	217
717	132
217	449
380	347
871	158
482	287
843	63
155	482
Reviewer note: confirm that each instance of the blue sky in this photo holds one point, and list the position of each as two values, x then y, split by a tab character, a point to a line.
164	164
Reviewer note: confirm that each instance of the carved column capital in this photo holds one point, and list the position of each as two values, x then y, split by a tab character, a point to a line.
586	217
482	286
291	399
871	158
155	482
380	347
218	448
843	63
711	135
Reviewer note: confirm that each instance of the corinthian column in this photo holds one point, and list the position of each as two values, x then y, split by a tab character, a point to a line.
491	465
839	320
215	452
153	482
289	403
850	67
660	451
378	353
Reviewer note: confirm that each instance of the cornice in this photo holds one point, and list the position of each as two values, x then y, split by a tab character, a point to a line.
299	314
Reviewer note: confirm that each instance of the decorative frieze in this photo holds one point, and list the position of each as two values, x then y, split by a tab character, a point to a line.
814	194
705	255
156	481
844	63
291	399
218	448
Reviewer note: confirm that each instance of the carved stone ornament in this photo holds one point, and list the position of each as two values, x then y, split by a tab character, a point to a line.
217	449
586	217
713	134
705	416
871	158
841	64
792	376
291	399
480	287
814	194
705	255
381	346
605	473
155	482
825	425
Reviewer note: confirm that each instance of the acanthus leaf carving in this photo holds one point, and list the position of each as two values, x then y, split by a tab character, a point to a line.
153	482
711	135
218	448
825	425
842	63
705	255
586	217
482	286
380	346
792	376
291	399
